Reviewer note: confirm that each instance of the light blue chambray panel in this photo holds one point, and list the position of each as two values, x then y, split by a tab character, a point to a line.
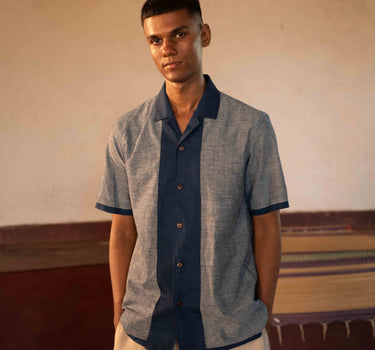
228	275
265	185
114	189
142	157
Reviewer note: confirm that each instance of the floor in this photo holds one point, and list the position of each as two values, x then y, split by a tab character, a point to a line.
57	295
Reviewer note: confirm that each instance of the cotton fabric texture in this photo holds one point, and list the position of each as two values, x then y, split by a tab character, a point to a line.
192	274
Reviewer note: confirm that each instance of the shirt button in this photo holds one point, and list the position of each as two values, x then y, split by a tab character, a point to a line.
179	225
179	303
179	265
179	187
181	148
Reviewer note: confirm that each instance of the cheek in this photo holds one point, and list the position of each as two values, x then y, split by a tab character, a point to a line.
197	47
154	55
196	52
191	52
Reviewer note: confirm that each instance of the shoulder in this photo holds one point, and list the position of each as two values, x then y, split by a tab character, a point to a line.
137	116
240	112
133	121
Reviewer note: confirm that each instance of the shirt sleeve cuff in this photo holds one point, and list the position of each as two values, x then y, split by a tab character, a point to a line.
113	210
270	208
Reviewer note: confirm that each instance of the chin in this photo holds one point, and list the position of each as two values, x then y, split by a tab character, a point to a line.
176	77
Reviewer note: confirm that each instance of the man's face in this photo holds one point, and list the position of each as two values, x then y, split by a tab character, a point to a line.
176	40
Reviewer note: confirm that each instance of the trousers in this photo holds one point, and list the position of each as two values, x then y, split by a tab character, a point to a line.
123	342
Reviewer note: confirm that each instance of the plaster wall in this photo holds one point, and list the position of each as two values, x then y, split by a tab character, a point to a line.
68	69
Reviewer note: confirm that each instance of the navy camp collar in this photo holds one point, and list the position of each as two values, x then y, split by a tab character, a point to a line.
208	106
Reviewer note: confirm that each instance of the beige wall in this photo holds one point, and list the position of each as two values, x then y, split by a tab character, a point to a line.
68	69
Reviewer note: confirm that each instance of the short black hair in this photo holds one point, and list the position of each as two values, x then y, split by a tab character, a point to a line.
159	7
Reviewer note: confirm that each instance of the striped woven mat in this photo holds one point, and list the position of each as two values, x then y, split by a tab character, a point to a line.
327	274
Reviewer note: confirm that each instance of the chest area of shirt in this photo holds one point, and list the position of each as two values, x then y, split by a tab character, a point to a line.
204	143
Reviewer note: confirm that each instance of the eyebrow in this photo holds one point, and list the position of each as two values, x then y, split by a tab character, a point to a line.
174	31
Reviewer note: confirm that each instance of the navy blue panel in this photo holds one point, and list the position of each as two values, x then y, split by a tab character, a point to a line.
138	341
270	208
187	281
163	333
177	312
232	346
113	210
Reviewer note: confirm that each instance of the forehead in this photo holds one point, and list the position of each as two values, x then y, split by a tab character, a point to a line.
167	22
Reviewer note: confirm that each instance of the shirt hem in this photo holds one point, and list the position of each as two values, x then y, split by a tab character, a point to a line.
113	210
138	340
128	330
270	208
232	346
226	347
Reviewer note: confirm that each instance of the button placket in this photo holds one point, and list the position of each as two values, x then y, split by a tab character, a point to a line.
179	187
180	225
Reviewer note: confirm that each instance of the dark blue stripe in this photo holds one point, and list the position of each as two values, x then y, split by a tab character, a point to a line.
180	245
254	337
163	328
179	284
187	280
270	208
113	210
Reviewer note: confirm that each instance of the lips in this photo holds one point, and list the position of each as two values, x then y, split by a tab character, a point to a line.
172	64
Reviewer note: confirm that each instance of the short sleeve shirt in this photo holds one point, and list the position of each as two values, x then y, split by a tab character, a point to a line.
192	275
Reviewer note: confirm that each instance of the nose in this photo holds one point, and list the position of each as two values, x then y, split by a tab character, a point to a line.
168	48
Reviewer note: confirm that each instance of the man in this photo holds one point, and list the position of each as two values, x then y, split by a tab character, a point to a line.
194	183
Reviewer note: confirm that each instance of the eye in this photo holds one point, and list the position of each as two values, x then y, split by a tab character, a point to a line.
155	41
181	35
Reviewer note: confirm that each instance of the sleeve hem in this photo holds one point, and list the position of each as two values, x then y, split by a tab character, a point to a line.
270	208
113	210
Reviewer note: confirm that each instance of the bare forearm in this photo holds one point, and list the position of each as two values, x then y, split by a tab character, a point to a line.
267	250
121	245
120	253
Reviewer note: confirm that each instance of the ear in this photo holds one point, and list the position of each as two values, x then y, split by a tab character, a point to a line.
205	35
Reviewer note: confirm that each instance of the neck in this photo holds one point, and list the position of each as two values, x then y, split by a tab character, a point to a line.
185	97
